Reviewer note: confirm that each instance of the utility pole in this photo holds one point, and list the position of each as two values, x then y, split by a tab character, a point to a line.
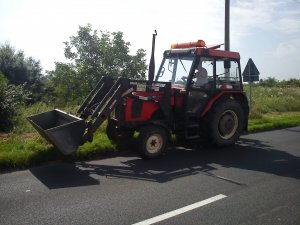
227	25
227	35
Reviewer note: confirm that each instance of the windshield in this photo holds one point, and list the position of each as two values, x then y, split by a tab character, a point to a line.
175	70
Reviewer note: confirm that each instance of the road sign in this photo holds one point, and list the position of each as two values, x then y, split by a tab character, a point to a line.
250	73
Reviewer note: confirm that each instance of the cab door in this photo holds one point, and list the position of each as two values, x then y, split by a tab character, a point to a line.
200	85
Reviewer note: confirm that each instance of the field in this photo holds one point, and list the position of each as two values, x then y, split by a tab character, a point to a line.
274	99
272	108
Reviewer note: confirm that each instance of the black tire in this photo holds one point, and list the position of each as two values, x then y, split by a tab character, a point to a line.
152	141
116	134
225	123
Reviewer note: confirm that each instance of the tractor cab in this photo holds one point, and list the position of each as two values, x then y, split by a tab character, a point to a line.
195	65
198	73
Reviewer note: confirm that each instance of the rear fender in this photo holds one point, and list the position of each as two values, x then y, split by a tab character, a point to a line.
237	95
240	96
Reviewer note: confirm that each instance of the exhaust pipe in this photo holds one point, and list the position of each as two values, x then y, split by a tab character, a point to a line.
152	61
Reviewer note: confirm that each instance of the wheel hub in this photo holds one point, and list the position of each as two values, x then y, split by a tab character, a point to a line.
228	124
154	143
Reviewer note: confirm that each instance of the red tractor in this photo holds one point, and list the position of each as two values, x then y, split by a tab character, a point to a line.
197	93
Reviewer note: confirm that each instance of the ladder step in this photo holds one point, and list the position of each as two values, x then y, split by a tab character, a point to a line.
192	127
192	131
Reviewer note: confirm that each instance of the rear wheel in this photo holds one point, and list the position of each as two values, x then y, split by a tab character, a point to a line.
226	123
152	141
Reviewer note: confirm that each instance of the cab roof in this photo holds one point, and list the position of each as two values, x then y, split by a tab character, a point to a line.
203	51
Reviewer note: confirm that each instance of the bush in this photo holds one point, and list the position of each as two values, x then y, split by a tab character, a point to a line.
269	82
11	98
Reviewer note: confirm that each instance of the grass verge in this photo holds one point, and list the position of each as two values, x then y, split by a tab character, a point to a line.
29	149
18	151
24	151
271	121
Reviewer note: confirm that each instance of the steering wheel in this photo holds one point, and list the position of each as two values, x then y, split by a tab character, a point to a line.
184	79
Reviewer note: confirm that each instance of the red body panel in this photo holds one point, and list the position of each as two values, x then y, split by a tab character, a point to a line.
148	108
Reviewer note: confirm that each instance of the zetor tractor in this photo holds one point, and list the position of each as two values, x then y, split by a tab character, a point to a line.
197	93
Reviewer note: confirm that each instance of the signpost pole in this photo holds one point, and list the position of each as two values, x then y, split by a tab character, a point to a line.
250	87
250	74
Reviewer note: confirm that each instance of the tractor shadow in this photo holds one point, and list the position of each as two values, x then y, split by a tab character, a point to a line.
247	154
179	162
63	175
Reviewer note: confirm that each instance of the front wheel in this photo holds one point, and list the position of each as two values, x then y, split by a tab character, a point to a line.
226	123
152	141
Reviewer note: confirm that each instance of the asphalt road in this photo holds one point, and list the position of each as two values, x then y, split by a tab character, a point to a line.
255	182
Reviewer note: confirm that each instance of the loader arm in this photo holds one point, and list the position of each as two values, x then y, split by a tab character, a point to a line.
101	105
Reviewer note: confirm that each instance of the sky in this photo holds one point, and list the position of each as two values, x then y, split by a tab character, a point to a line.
268	31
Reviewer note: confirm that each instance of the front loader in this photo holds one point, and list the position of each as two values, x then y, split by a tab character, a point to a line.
197	93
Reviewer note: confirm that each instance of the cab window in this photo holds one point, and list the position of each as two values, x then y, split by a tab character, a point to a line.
227	74
175	70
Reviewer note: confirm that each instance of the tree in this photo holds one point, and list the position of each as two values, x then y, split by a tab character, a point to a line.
107	55
94	54
66	84
11	98
21	70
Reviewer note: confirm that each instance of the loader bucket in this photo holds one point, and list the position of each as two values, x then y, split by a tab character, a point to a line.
61	129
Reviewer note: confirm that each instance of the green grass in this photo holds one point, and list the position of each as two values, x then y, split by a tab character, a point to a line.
275	99
273	121
23	151
98	147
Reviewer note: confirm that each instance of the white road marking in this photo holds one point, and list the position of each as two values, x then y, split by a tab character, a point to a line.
181	210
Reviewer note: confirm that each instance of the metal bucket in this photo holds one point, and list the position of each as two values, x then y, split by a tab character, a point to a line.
61	129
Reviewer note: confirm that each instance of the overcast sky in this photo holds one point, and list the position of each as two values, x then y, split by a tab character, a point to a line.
268	31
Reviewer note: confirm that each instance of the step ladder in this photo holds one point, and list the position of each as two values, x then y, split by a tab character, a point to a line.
192	127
